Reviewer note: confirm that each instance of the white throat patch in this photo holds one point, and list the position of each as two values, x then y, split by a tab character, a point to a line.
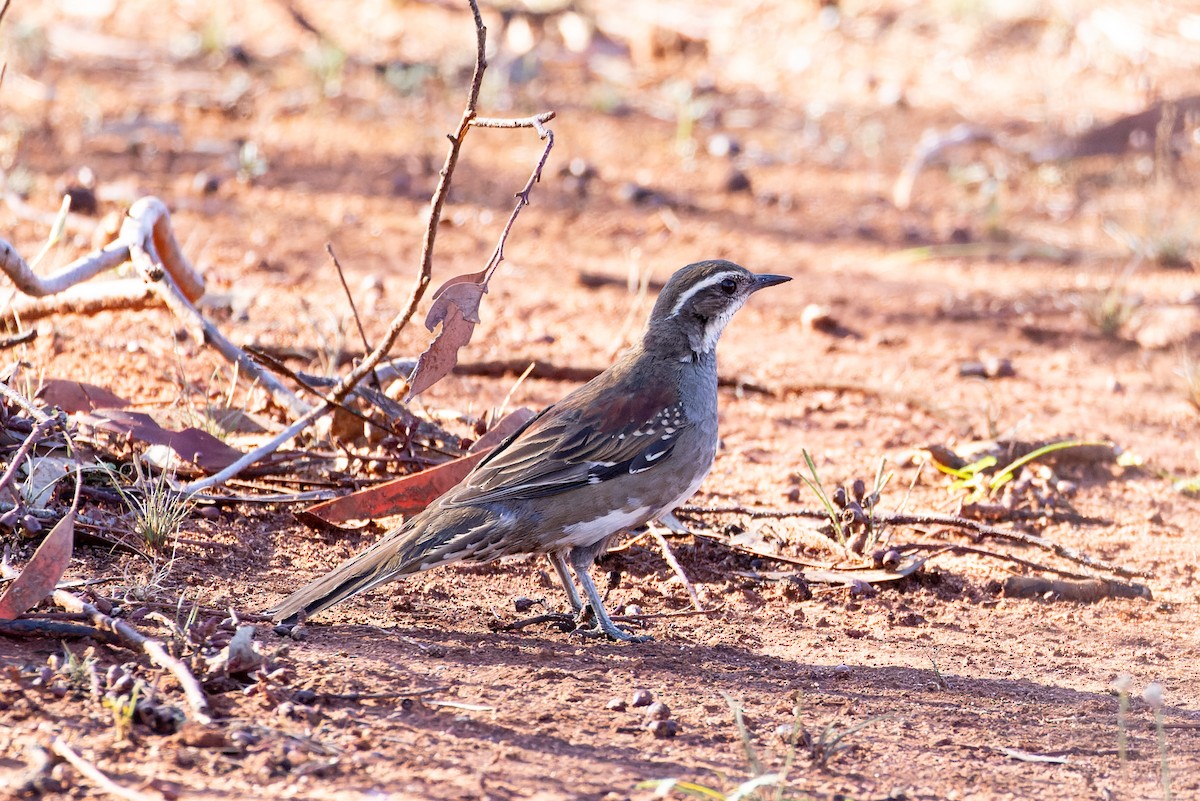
714	327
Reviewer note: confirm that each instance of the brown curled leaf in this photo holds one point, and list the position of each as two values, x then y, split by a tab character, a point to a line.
41	575
456	308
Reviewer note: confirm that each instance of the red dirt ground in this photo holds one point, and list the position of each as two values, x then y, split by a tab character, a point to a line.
825	108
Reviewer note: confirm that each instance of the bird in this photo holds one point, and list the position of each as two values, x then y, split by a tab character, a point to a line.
624	449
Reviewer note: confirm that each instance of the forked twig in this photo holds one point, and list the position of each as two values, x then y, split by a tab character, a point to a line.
152	648
436	203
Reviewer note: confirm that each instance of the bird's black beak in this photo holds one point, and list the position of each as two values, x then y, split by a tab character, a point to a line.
763	281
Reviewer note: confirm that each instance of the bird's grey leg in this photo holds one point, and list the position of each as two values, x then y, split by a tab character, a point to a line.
581	560
564	576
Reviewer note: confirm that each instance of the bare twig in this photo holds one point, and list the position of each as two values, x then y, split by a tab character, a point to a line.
78	271
349	295
52	629
261	452
436	203
982	530
40	430
544	133
669	555
97	776
129	294
152	648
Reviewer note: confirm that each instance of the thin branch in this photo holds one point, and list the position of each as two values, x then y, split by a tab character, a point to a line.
78	271
436	203
669	555
152	648
516	122
127	294
261	452
953	521
349	295
97	776
40	431
522	196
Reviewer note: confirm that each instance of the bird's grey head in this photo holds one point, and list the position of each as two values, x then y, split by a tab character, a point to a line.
696	304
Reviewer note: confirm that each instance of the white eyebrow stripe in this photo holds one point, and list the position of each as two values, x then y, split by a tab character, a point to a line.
705	284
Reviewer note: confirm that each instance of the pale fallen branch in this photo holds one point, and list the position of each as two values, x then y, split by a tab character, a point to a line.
97	776
123	294
147	225
669	555
154	649
979	529
147	240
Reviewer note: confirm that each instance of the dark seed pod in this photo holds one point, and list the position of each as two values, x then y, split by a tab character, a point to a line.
859	489
839	497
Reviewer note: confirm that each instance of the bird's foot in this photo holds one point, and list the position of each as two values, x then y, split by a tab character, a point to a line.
613	632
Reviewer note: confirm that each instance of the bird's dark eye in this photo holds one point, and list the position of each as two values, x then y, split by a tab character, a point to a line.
729	286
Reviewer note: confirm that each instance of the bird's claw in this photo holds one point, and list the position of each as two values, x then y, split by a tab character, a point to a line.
614	633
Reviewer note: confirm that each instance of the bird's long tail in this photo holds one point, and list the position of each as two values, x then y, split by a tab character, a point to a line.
411	548
357	574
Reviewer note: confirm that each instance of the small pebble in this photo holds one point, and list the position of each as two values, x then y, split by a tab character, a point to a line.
662	729
722	145
304	696
523	604
633	609
616	704
641	698
816	317
737	181
658	711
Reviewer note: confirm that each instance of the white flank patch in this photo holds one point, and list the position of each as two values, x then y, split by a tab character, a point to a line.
712	280
596	529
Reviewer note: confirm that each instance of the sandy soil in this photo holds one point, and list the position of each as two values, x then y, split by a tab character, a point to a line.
943	685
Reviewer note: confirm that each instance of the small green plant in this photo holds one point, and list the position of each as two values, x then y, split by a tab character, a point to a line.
157	511
764	785
979	480
1153	695
1121	685
1189	371
760	781
123	709
852	515
941	680
251	163
814	484
1109	310
327	63
1167	241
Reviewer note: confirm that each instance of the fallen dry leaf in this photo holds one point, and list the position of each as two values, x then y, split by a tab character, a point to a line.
41	575
411	494
193	445
456	308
